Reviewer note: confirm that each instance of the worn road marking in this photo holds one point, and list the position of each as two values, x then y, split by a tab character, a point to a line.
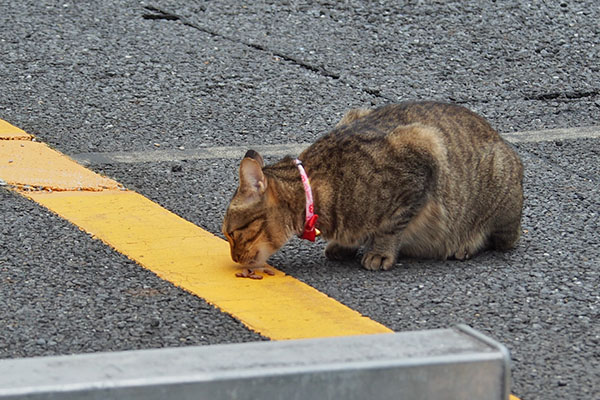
280	150
278	307
27	164
10	132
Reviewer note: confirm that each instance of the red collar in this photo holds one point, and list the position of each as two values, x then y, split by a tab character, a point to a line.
310	221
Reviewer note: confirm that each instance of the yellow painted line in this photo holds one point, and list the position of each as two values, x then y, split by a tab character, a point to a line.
8	131
24	163
278	307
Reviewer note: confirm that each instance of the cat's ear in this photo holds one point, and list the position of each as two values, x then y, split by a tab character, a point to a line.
255	156
252	180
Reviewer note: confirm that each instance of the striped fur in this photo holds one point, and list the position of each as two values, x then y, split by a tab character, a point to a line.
423	179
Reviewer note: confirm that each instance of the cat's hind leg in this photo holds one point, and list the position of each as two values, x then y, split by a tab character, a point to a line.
382	251
502	238
506	237
337	252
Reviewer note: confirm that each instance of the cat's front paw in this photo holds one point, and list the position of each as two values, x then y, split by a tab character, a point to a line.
462	254
375	261
337	252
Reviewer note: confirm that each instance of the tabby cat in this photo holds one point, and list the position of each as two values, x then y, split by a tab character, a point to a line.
422	179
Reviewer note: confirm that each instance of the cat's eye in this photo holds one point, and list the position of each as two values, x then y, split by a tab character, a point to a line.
244	227
232	234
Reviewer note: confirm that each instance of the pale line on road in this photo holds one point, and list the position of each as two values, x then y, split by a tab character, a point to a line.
548	135
280	150
202	153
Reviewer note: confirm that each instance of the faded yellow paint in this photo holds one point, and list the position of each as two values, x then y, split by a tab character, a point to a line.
513	397
33	164
278	307
11	132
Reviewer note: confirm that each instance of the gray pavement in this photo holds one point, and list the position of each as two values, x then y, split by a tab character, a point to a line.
104	78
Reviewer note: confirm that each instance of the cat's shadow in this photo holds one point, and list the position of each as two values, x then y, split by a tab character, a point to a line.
300	258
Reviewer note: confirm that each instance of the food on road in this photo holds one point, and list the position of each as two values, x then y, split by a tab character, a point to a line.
252	273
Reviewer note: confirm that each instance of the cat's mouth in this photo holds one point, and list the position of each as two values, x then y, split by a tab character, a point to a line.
247	259
252	264
253	258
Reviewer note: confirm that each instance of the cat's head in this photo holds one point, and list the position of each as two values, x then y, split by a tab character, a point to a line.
252	222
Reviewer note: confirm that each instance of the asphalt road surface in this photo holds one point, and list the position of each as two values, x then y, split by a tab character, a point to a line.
168	75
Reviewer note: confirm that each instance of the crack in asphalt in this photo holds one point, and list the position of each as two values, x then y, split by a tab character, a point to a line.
25	137
569	95
161	14
25	188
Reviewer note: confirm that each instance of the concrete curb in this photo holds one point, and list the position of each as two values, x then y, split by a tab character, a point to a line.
434	364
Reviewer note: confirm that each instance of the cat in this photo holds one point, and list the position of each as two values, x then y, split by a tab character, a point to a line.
421	179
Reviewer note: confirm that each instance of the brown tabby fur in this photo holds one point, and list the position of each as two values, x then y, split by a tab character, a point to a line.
421	179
